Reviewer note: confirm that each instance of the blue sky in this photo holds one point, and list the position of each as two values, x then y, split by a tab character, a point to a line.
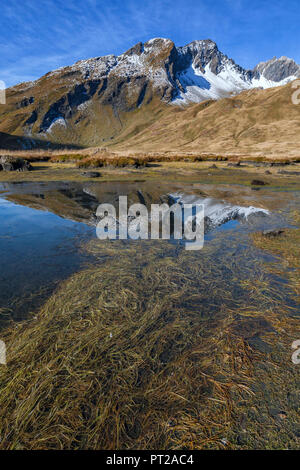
40	35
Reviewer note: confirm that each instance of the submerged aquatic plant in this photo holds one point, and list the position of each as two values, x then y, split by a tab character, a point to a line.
148	348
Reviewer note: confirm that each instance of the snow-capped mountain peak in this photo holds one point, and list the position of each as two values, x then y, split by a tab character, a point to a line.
209	74
111	86
278	70
181	75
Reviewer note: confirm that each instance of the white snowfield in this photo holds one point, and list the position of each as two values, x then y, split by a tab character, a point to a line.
59	121
195	82
204	86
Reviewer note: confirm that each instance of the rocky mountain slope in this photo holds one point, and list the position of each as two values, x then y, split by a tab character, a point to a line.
105	100
254	122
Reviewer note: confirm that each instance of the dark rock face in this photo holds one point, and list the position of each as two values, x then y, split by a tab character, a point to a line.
278	69
202	53
8	163
116	93
137	49
32	119
68	104
26	102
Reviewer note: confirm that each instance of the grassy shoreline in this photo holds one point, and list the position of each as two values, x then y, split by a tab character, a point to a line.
202	172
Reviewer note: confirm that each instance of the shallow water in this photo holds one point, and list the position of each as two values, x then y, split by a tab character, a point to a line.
37	249
43	227
189	335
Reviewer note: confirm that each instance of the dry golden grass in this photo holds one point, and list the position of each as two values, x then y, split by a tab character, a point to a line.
261	123
257	123
40	155
96	157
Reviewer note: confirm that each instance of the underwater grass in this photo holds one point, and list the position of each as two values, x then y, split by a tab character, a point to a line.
287	247
148	348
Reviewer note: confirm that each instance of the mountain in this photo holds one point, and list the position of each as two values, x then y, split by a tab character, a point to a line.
106	100
254	122
277	71
209	74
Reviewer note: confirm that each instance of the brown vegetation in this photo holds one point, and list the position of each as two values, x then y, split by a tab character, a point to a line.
257	123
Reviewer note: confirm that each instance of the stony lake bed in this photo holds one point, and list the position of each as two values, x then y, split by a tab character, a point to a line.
142	344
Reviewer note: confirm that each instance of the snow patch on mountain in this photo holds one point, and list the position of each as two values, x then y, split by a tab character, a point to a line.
263	82
198	85
191	74
59	121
